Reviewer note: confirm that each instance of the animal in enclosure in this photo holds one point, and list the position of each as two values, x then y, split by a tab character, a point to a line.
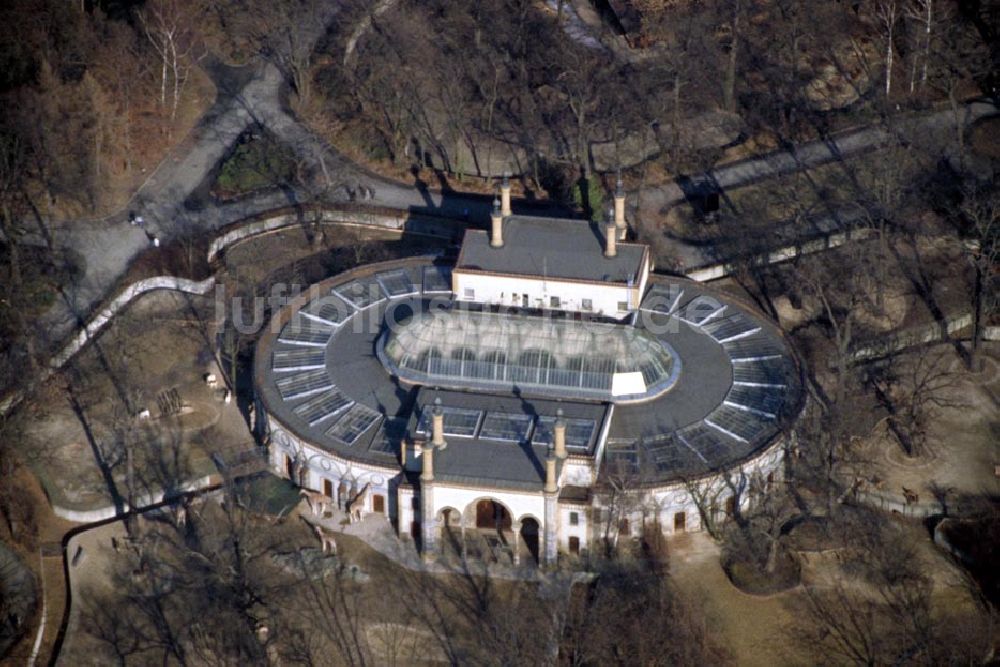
357	505
911	496
326	539
318	503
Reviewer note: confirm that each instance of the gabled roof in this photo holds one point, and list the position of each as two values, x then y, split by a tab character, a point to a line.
551	248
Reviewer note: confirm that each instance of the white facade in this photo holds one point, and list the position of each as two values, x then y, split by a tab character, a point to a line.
615	300
578	525
313	468
573	525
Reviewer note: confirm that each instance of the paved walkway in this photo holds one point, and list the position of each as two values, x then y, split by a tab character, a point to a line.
169	199
935	128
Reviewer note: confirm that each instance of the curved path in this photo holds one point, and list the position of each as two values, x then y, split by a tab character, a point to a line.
169	199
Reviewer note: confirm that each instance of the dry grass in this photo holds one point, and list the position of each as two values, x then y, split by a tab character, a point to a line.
750	627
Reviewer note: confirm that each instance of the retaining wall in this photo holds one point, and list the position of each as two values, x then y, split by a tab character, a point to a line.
890	503
377	217
783	254
142	502
106	314
927	333
99	320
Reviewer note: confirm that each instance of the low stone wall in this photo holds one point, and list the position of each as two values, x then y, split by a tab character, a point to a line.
927	333
142	503
99	320
106	314
383	218
782	254
891	503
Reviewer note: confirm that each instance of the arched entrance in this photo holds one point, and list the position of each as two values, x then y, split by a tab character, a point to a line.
530	532
492	515
490	531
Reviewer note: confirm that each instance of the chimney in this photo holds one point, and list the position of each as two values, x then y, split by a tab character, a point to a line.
437	428
620	207
559	435
610	239
496	226
427	463
505	196
550	472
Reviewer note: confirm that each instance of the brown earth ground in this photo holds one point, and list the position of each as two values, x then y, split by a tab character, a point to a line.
759	630
963	445
160	344
389	628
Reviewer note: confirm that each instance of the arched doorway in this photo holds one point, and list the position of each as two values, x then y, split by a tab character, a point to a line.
530	532
489	530
492	515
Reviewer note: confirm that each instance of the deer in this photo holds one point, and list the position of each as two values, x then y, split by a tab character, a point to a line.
318	502
356	506
326	539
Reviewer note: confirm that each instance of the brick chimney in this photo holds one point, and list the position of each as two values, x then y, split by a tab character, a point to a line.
427	463
610	239
559	435
620	223
437	425
505	196
550	472
496	226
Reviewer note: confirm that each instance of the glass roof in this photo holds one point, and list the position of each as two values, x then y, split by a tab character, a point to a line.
568	358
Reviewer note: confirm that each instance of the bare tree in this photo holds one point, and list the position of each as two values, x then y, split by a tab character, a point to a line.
706	495
170	28
913	387
887	14
879	608
980	216
923	14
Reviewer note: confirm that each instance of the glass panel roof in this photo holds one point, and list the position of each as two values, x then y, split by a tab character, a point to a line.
461	422
505	351
506	427
578	432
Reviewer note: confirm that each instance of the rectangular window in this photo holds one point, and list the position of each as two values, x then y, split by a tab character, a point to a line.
587	304
554	301
574	518
622	306
470	293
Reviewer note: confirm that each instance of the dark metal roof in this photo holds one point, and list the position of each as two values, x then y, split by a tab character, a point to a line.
498	463
739	386
553	248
